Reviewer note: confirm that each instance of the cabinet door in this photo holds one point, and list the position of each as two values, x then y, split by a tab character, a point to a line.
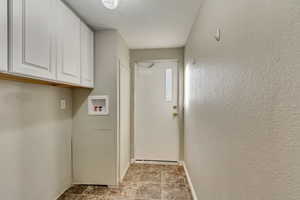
87	56
3	35
68	69
33	41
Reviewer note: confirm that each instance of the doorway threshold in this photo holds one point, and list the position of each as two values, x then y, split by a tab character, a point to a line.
156	162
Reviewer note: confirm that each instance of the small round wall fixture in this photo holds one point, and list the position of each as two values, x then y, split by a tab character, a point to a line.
110	4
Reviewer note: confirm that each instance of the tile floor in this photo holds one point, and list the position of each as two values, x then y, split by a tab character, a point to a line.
142	182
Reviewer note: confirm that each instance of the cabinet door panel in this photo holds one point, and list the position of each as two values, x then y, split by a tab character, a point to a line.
87	56
33	49
3	35
69	46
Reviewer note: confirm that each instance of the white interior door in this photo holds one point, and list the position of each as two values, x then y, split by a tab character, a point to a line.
156	122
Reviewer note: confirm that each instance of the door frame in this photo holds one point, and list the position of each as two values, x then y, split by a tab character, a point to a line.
133	141
120	174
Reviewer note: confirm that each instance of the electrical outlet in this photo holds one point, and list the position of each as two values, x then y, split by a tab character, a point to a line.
63	104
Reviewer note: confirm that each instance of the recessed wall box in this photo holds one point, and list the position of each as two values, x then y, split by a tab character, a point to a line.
98	105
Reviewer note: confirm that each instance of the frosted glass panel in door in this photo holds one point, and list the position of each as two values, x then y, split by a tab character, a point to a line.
169	84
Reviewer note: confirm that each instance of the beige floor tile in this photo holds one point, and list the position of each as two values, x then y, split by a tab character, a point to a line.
68	196
96	190
149	191
142	182
77	189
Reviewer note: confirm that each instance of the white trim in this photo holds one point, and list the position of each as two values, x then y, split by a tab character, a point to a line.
152	162
124	173
113	186
61	193
189	181
118	161
134	111
121	174
132	160
157	61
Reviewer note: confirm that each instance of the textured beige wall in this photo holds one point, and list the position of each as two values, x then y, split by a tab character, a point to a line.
242	116
95	138
140	55
35	141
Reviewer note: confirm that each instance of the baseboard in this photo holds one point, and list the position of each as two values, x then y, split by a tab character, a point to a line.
123	175
113	186
189	181
156	162
61	193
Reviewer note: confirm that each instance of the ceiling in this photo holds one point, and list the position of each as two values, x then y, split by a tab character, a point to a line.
143	23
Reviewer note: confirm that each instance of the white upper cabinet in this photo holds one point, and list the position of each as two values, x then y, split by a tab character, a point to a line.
33	38
68	68
3	35
87	56
47	41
